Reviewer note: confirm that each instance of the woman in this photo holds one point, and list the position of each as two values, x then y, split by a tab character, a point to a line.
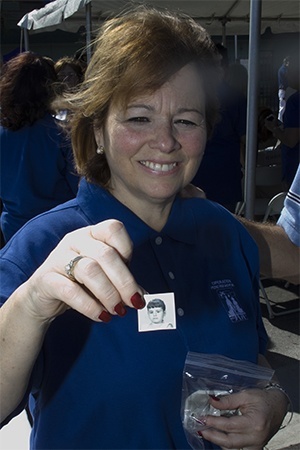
37	167
220	173
70	328
70	73
288	132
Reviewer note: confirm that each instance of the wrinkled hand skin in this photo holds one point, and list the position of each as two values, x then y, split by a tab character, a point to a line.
103	278
262	413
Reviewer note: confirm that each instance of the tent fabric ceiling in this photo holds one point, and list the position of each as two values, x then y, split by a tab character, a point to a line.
217	16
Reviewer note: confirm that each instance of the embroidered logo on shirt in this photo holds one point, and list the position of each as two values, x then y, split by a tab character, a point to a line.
226	293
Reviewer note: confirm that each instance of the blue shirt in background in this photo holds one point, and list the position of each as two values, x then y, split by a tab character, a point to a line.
220	172
291	156
290	215
282	77
37	172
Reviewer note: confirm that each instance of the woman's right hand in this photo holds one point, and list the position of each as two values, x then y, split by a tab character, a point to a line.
103	285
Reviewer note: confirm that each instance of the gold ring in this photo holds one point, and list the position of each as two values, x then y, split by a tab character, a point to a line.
69	268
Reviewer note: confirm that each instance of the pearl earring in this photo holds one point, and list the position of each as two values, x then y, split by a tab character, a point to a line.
100	150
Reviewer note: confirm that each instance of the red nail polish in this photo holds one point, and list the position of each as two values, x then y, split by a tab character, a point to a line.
120	309
138	301
105	316
213	397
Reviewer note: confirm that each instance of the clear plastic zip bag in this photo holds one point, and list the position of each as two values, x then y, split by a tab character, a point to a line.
208	375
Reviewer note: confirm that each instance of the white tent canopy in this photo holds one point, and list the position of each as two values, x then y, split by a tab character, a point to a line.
216	16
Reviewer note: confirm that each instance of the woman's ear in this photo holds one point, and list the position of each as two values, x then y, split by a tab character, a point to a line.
98	133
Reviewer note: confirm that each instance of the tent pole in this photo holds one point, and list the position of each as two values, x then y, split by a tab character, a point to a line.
26	39
235	48
21	40
224	32
88	15
252	107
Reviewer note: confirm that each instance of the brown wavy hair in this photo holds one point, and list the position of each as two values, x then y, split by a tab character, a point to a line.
136	53
74	63
27	90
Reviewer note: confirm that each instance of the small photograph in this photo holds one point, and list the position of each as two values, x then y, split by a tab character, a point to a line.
159	312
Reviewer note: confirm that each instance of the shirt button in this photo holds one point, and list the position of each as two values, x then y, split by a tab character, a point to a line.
180	312
158	240
171	275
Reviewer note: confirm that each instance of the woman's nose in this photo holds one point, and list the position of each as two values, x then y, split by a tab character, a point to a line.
165	139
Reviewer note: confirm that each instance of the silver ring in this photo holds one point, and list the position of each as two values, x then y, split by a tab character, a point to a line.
69	268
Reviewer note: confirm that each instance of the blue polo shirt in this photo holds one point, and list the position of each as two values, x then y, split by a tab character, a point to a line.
289	218
291	155
282	77
37	172
108	386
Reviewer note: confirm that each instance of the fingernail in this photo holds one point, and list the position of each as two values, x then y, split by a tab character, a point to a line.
105	316
138	301
217	399
199	433
120	309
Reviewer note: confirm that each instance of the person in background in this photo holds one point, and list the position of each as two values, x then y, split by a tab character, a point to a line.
265	137
237	77
279	244
69	325
289	132
37	168
282	86
70	73
220	173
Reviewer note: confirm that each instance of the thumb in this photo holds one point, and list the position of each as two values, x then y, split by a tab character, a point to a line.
114	234
230	401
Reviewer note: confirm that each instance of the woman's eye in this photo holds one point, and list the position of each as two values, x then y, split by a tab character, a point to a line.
186	122
138	119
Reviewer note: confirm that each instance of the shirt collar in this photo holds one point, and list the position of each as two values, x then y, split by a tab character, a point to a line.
180	225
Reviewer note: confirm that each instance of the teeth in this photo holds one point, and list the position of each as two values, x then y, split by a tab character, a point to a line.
158	167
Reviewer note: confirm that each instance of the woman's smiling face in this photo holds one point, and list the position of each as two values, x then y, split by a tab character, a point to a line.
154	146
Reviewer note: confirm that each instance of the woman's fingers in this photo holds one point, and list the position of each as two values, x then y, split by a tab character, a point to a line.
250	430
223	439
233	433
107	278
88	272
56	294
113	233
103	270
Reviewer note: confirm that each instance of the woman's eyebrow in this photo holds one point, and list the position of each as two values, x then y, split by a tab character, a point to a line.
183	110
151	108
140	105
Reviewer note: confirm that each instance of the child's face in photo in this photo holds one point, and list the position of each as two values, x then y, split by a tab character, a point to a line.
156	314
159	313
